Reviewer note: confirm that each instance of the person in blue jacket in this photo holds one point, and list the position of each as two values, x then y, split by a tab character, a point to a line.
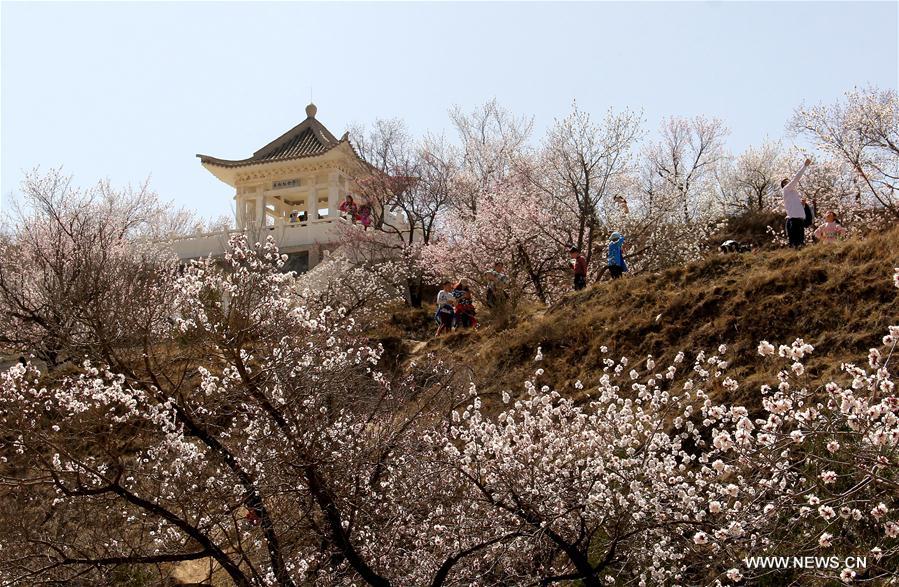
617	265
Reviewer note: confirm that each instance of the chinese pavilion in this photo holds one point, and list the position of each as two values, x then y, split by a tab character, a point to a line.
290	189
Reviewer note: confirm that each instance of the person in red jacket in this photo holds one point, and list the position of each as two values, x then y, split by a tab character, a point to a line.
349	209
579	265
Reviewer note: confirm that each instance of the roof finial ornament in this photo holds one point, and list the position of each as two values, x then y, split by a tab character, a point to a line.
311	110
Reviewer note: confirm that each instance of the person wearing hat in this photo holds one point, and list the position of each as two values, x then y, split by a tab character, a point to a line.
579	265
617	265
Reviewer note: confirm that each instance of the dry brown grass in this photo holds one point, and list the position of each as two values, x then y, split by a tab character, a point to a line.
838	297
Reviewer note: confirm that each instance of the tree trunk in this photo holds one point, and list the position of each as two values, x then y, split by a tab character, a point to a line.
414	291
535	279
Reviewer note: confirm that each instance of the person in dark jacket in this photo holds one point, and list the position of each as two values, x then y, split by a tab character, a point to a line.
616	262
465	310
579	265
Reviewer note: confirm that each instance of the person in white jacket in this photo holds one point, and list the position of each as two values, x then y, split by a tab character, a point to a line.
795	206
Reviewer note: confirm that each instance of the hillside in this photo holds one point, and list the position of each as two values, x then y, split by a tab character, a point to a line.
839	298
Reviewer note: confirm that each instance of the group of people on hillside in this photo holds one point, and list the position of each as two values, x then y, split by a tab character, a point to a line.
801	216
455	303
615	262
455	306
354	212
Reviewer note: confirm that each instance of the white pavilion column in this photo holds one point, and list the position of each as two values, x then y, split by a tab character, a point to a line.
333	194
240	212
260	210
312	203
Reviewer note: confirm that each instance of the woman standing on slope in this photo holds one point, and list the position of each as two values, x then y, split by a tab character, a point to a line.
579	265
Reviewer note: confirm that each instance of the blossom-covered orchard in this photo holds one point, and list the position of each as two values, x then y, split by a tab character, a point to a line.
253	429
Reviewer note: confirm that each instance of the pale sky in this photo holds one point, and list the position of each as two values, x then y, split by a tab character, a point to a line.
127	91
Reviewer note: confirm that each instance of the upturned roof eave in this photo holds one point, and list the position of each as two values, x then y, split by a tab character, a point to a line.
231	163
226	170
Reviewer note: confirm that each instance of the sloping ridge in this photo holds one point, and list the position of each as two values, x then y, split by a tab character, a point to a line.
838	297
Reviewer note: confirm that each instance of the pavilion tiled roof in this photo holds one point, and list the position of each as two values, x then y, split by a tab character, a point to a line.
307	139
305	143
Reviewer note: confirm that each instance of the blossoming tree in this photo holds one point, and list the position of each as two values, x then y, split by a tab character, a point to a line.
514	225
861	133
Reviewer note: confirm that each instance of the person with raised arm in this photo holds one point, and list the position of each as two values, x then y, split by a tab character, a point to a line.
795	207
616	263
